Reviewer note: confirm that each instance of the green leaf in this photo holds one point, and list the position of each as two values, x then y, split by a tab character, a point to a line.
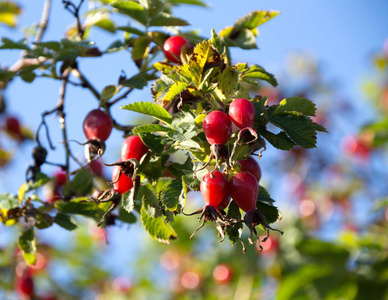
128	201
264	195
51	45
26	243
246	39
280	141
108	92
126	217
234	231
175	90
228	81
132	9
191	182
150	109
43	220
150	128
116	46
172	196
27	76
297	126
82	183
154	142
297	104
106	24
88	209
138	81
254	19
8	201
9	44
324	251
157	228
155	7
191	2
140	48
300	279
132	30
259	73
6	75
65	221
270	212
40	179
164	19
9	12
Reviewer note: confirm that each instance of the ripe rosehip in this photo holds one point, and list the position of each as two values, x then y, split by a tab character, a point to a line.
243	188
252	166
172	48
25	286
217	127
242	112
97	125
222	274
60	178
124	183
224	203
96	167
214	188
12	125
133	147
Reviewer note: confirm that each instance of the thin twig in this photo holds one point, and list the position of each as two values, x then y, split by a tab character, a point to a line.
120	97
74	10
43	21
86	83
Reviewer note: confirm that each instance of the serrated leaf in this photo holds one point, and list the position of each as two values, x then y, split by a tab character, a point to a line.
128	201
191	2
164	19
26	243
297	126
82	183
150	128
140	48
108	92
254	19
264	195
150	109
138	81
172	196
65	221
88	209
150	202
175	90
157	228
106	24
52	45
259	73
298	104
279	141
234	231
132	9
154	142
320	128
228	81
43	220
191	182
9	44
8	201
126	217
270	212
246	39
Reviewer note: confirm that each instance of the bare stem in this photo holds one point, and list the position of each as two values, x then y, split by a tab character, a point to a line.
43	21
74	10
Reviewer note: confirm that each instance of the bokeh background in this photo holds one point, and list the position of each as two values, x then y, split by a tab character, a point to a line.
324	51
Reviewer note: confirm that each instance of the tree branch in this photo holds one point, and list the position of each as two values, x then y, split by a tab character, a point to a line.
43	21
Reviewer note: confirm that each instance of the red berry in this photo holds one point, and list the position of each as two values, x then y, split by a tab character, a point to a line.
96	167
252	166
222	274
214	188
60	178
224	203
97	125
55	195
217	127
242	112
12	125
172	48
133	147
124	184
25	286
243	188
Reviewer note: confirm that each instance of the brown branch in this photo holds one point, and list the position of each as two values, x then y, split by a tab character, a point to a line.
86	83
74	10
